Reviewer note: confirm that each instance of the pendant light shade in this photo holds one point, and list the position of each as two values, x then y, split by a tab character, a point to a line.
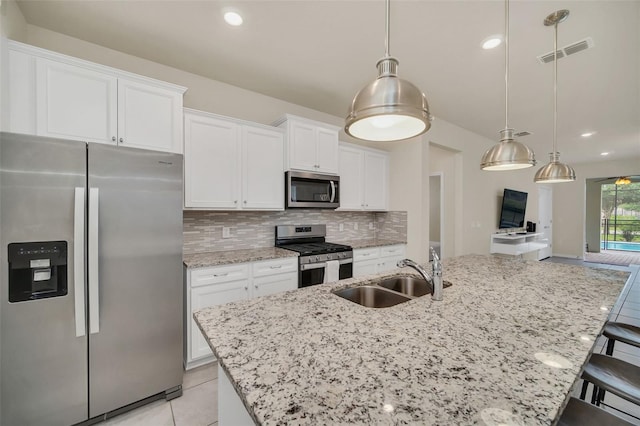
508	154
389	108
555	171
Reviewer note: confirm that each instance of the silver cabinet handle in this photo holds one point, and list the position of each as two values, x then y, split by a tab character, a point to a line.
78	262
121	140
255	286
235	201
221	275
246	287
276	267
245	201
94	285
113	138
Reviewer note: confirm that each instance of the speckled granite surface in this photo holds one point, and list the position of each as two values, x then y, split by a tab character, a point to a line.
310	357
213	258
374	242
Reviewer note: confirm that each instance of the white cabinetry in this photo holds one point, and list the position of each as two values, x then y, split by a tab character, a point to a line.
364	178
374	260
229	283
63	97
517	244
231	164
311	145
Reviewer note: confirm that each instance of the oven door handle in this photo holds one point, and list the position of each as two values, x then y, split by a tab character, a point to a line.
333	191
309	266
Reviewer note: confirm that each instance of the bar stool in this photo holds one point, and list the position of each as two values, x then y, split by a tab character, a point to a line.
580	413
625	333
613	375
614	331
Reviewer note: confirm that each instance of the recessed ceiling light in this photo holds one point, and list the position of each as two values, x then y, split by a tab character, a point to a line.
587	134
492	42
604	153
233	18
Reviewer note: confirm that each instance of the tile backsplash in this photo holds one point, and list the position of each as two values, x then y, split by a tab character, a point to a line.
203	229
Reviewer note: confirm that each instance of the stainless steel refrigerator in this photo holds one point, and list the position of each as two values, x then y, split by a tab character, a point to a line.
91	279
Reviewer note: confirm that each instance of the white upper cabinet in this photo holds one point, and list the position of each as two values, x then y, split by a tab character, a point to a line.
75	103
63	97
364	178
231	164
149	117
311	145
211	162
262	168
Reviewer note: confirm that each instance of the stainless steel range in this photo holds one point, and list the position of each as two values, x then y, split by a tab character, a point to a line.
316	255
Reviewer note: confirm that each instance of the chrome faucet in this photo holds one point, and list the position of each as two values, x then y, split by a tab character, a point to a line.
436	268
436	284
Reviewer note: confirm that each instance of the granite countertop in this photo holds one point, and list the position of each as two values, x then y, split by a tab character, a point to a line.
213	258
310	357
373	242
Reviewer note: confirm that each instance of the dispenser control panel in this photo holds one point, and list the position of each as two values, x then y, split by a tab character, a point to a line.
37	270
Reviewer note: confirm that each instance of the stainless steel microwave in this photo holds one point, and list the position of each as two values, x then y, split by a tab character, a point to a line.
312	190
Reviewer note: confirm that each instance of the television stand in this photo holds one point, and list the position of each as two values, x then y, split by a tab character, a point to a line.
517	244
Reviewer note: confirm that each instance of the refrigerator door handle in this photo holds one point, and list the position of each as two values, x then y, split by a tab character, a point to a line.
94	294
78	262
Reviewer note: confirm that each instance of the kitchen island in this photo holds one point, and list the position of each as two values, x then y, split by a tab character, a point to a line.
310	357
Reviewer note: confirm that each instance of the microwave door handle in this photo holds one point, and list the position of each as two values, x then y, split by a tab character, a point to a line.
333	191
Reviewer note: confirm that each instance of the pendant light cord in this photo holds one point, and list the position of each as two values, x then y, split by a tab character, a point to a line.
386	27
555	90
506	67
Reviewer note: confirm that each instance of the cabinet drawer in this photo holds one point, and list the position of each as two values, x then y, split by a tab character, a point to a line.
275	266
397	250
366	254
219	274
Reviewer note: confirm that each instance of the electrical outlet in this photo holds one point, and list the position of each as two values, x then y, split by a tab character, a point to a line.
355	226
226	232
371	225
341	227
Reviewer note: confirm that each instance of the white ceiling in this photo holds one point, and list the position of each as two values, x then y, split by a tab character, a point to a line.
319	53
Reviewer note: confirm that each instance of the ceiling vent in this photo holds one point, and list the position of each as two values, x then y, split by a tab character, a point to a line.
570	49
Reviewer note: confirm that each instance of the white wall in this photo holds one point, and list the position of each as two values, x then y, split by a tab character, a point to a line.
444	161
569	201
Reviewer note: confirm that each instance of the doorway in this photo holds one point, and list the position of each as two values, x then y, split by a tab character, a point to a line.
436	206
545	220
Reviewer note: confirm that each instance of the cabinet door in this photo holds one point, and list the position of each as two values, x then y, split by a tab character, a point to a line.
366	267
217	294
19	116
327	150
302	146
149	117
212	163
271	284
75	103
375	181
262	169
351	185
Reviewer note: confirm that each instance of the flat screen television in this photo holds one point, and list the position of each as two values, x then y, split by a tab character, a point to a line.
514	205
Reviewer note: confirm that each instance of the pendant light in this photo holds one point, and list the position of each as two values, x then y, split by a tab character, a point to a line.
555	171
508	154
389	108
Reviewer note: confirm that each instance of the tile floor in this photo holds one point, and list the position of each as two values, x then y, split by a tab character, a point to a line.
198	406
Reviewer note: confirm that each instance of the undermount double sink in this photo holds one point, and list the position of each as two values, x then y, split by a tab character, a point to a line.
388	292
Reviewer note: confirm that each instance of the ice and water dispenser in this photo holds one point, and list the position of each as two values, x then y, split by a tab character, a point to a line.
37	270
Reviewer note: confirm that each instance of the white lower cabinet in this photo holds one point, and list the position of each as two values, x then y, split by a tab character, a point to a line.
230	283
374	260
